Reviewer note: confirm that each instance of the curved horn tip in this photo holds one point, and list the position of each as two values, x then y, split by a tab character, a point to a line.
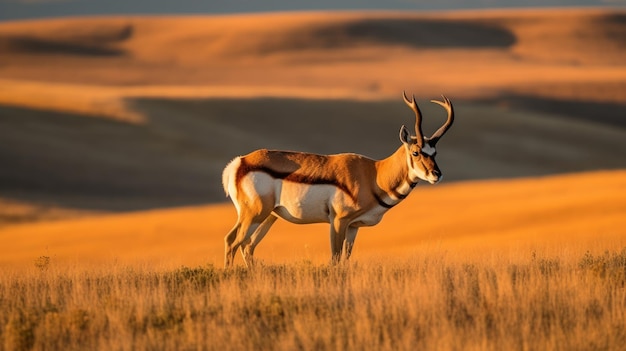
406	99
445	101
437	102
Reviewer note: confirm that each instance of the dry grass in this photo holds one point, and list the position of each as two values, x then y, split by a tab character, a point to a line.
434	300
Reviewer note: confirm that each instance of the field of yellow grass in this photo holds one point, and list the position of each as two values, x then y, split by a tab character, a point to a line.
432	300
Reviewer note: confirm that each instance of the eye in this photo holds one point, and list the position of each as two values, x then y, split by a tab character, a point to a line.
415	153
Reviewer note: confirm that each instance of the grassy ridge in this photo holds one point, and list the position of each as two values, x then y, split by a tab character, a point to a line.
521	301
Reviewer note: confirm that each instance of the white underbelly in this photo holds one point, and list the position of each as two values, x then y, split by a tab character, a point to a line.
305	203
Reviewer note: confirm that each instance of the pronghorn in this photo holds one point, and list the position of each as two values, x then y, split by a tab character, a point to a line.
347	191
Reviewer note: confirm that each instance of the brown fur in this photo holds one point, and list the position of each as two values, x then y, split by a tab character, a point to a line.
319	169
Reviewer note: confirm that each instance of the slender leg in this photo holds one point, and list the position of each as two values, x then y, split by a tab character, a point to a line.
229	239
254	202
350	238
247	247
244	234
239	235
337	237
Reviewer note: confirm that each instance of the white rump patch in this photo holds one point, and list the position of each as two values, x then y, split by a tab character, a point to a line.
228	177
428	150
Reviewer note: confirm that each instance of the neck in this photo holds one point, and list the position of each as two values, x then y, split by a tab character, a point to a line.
392	177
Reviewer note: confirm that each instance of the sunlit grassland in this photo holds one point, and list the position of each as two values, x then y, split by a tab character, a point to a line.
436	300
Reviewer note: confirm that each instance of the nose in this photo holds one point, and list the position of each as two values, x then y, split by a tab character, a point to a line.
436	173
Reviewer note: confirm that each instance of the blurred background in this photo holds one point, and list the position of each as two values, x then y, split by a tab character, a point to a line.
105	106
14	9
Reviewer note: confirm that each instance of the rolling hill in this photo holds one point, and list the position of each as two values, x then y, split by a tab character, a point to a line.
577	213
128	113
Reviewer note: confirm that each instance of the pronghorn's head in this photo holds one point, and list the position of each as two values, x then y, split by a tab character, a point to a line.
420	150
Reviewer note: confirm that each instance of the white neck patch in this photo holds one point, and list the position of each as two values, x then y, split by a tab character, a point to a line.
428	150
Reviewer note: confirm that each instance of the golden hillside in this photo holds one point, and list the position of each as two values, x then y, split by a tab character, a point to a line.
575	212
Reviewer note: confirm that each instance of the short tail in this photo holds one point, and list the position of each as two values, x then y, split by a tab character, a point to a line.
228	174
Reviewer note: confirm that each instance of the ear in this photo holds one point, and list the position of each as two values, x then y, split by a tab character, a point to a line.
405	136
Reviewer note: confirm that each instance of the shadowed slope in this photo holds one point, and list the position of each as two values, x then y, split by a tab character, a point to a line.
176	157
571	38
90	41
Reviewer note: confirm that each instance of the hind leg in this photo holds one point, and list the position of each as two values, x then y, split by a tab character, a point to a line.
229	240
236	237
254	203
242	232
248	246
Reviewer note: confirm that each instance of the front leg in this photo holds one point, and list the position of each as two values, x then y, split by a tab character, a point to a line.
350	238
337	238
